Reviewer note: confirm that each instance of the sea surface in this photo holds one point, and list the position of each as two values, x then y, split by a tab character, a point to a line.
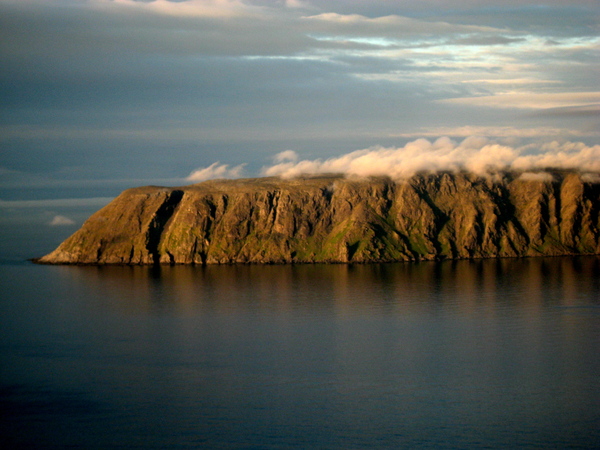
469	354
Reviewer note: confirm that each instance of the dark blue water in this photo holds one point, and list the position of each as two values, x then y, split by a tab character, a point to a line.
487	354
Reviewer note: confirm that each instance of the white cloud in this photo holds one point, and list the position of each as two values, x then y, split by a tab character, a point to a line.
215	170
591	178
568	155
248	70
59	220
479	155
286	156
543	177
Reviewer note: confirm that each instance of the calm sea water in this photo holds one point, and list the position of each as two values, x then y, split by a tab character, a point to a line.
485	354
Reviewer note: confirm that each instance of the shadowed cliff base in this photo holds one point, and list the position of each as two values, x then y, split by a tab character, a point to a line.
339	220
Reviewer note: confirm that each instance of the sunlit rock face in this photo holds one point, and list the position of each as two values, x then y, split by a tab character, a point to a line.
338	220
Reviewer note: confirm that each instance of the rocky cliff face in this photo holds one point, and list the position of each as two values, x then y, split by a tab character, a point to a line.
332	219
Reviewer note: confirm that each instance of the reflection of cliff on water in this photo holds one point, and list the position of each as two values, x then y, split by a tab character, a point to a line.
502	324
345	289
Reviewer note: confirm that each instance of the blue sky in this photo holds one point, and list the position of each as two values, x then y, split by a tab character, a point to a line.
100	95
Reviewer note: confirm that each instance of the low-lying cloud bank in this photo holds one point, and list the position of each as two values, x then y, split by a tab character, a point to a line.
475	154
479	155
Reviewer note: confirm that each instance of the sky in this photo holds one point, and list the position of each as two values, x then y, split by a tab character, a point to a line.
100	95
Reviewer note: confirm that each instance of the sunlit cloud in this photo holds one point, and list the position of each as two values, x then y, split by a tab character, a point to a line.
394	25
591	178
530	100
495	132
475	154
286	156
513	81
93	79
543	177
189	8
215	170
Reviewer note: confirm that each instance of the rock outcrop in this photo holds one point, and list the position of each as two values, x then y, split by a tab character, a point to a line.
333	219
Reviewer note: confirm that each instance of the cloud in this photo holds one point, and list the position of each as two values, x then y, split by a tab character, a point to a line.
492	131
99	76
392	25
188	8
286	156
58	221
573	111
215	170
542	177
479	155
298	4
531	100
591	178
568	155
487	40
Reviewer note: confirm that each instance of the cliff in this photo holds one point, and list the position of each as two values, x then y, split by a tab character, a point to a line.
333	219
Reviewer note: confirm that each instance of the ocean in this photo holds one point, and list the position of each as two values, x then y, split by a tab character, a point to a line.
467	354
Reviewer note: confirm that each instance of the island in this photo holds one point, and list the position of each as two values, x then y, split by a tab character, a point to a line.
334	219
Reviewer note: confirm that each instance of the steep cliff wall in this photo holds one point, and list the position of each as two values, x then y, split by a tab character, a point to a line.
332	219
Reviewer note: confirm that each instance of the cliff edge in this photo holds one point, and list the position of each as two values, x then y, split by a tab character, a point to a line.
334	219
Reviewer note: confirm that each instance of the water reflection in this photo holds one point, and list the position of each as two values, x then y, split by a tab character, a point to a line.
465	354
347	289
